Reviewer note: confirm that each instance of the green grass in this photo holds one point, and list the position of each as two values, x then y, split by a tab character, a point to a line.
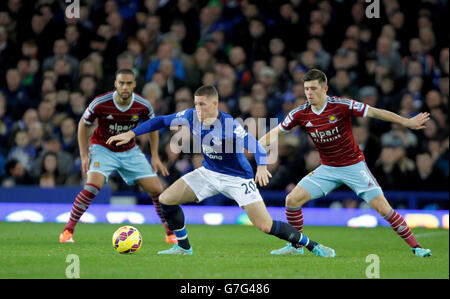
30	250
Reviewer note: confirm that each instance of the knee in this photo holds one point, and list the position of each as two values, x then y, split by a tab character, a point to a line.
163	198
297	199
381	205
154	191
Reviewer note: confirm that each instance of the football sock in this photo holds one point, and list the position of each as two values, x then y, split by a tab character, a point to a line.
81	204
294	216
399	225
175	220
157	205
287	232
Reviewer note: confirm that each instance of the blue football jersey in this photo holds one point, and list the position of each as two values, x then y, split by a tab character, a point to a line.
221	144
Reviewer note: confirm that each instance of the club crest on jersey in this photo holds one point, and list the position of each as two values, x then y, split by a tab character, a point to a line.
96	164
332	119
135	117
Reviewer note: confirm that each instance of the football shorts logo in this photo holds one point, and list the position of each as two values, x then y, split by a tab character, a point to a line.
332	119
135	117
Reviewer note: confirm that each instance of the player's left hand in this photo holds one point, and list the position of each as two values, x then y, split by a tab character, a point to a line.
121	139
159	167
262	175
418	122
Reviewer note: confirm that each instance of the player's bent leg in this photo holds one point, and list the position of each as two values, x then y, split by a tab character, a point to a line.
381	205
398	224
95	182
153	187
294	215
178	193
297	197
259	216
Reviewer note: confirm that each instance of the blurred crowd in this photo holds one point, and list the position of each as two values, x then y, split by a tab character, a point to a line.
256	53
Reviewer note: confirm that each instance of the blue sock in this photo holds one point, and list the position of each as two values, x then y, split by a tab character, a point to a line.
305	241
175	221
182	237
287	232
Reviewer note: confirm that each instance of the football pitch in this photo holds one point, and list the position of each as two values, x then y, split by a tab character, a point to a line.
32	250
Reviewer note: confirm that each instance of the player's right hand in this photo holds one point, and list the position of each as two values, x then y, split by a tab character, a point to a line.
121	139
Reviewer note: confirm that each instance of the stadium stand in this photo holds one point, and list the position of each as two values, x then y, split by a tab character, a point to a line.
255	52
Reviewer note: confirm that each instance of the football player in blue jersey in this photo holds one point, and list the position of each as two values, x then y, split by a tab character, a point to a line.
225	170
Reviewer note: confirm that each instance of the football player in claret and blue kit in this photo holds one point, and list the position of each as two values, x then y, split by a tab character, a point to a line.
116	111
327	120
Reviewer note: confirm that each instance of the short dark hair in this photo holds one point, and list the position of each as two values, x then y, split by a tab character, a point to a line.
315	74
125	71
208	91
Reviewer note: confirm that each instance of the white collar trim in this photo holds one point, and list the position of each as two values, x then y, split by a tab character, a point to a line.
321	110
118	106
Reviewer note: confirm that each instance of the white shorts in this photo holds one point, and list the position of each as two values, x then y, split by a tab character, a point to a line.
206	183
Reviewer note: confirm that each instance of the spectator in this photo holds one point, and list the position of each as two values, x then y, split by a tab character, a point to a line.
23	150
394	170
427	176
201	62
5	124
50	169
246	49
52	144
61	50
16	174
15	93
388	56
228	94
68	136
165	51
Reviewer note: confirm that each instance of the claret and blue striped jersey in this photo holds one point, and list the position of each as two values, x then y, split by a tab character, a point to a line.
330	129
113	119
221	144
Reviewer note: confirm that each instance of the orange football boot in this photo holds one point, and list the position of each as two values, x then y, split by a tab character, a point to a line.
66	237
171	239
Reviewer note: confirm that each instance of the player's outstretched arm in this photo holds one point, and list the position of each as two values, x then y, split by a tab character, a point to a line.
150	125
83	145
415	123
271	137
